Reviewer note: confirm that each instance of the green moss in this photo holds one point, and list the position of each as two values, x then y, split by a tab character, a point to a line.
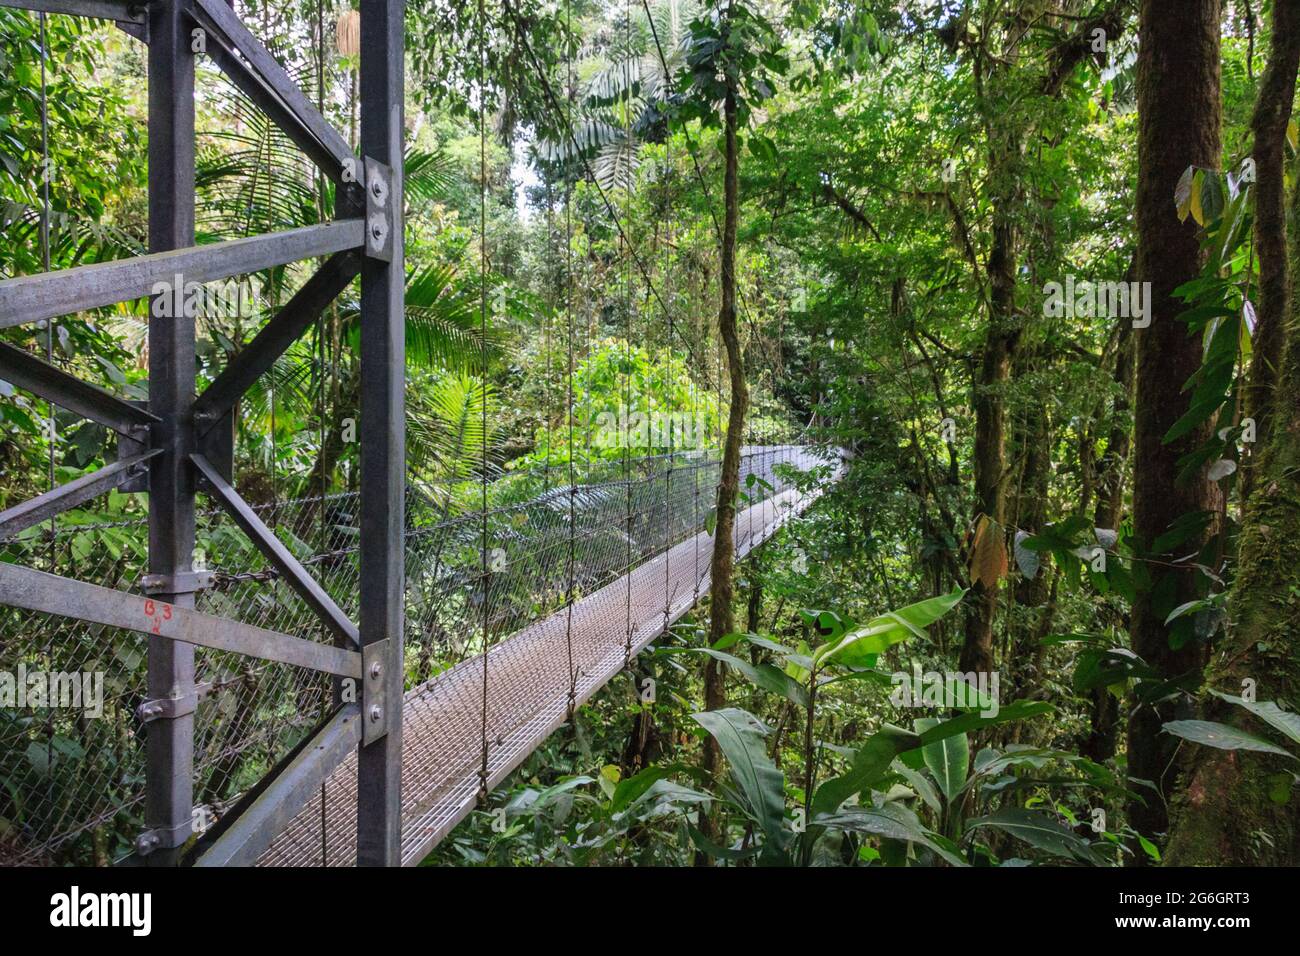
1225	814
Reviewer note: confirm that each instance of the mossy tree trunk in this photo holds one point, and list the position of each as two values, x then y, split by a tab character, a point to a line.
1180	114
1225	811
722	566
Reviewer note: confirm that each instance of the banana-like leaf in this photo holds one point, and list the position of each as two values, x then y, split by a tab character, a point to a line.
1222	736
893	822
766	676
856	647
948	760
741	736
1269	712
1041	831
874	757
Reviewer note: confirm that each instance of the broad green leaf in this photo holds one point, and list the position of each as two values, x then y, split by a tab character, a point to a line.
1198	185
633	787
891	821
875	756
1269	712
1149	848
766	676
948	760
1183	193
740	735
869	764
877	635
1026	559
1041	831
1019	710
1107	667
1213	197
1222	736
922	784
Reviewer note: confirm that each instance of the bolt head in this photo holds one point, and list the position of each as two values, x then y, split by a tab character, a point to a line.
376	712
376	670
378	229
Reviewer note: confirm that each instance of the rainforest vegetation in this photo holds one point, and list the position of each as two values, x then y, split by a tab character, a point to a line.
1024	269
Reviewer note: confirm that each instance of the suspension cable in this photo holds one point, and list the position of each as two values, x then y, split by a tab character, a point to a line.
46	176
483	563
322	458
625	242
671	381
568	315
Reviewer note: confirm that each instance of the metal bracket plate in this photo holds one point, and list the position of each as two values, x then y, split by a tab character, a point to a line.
129	447
374	696
217	444
168	708
159	838
379	210
187	582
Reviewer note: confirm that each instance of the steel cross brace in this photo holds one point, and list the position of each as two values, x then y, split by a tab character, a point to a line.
43	380
255	71
66	597
240	837
57	500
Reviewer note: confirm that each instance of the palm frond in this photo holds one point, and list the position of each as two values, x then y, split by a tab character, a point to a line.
429	176
443	322
447	431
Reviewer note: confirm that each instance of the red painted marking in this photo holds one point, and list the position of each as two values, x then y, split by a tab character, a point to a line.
155	619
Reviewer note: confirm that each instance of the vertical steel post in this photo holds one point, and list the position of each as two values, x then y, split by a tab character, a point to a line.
383	438
169	774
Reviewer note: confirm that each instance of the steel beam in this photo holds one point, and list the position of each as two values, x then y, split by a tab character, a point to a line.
46	295
169	757
265	81
179	625
283	794
383	438
295	575
26	371
269	344
123	11
58	500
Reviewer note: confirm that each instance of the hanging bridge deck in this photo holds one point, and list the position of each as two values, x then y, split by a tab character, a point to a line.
528	687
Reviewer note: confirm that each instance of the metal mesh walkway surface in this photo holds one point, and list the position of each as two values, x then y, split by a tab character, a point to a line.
530	677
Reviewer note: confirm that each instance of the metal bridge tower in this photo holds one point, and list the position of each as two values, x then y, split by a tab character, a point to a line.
182	443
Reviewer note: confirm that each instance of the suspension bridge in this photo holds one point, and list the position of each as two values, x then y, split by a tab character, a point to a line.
331	680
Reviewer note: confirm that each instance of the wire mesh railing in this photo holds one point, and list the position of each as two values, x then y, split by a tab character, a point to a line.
71	743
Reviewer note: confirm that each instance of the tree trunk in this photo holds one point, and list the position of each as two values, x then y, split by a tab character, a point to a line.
722	567
1226	802
1180	115
1114	463
1102	738
1269	123
990	432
